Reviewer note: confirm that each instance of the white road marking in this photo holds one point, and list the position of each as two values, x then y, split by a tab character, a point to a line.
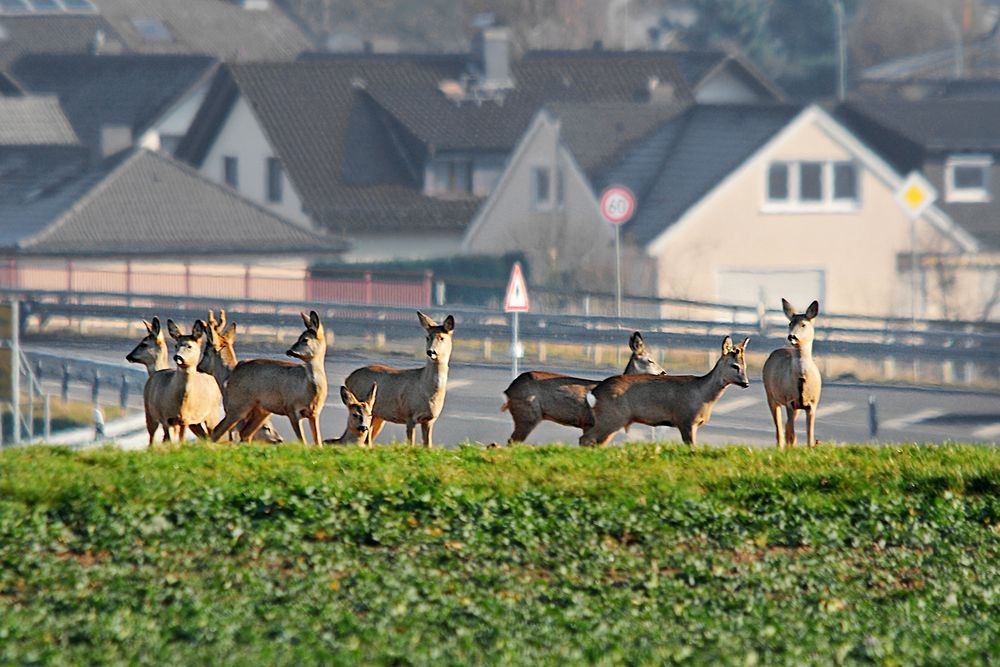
914	418
834	409
988	432
458	384
738	404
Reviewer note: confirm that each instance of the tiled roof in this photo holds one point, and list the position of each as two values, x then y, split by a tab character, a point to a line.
142	203
23	35
34	120
354	131
688	156
124	90
939	124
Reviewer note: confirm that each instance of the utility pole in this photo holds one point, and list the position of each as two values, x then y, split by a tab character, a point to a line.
838	12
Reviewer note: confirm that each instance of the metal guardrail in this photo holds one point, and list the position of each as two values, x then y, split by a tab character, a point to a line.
901	339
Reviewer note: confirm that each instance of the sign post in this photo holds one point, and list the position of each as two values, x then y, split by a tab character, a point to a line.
915	195
617	207
515	302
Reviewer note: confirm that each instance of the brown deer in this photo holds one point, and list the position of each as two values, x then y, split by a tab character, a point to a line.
413	396
791	377
219	359
152	353
684	401
359	418
264	386
535	396
189	399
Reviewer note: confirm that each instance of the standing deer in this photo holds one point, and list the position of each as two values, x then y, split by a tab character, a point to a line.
260	387
413	396
219	359
684	401
359	418
189	399
152	353
535	396
791	377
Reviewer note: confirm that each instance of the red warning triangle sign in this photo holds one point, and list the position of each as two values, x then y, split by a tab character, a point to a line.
517	291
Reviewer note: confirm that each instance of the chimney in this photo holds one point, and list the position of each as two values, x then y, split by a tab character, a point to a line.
492	52
115	138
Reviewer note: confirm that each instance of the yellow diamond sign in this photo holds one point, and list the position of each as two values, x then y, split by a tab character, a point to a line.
915	194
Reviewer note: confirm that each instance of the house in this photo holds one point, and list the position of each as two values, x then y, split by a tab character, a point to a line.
225	29
735	204
141	222
954	141
396	152
116	101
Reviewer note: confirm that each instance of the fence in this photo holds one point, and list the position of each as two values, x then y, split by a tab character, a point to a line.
236	283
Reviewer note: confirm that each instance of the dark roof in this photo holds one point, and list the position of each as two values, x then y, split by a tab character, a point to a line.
599	134
354	130
211	27
49	34
142	203
124	90
34	120
938	124
688	156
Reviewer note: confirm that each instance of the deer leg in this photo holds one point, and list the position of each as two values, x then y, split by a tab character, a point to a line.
790	413
376	427
314	427
688	432
181	432
252	424
778	428
596	435
198	430
410	435
297	427
425	430
227	423
811	425
151	426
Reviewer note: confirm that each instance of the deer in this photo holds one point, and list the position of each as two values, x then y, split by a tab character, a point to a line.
412	396
259	387
359	418
219	359
791	378
683	401
188	399
535	396
152	353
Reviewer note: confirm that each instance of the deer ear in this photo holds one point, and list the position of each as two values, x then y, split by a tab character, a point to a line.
425	321
314	322
305	319
229	334
346	396
812	311
635	342
449	324
198	330
743	345
172	329
155	330
789	309
370	399
149	327
727	345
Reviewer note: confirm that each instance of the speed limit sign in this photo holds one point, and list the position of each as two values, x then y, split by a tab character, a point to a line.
617	204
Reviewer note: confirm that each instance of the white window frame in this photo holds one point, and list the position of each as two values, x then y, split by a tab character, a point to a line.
826	204
976	160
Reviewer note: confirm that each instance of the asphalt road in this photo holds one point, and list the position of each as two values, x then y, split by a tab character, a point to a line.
472	408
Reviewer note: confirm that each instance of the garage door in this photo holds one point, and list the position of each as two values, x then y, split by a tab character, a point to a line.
749	286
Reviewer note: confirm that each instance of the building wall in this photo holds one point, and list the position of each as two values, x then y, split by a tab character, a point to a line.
856	251
386	247
174	124
726	88
243	138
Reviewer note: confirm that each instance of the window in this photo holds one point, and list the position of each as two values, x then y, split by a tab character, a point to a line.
777	182
560	188
845	182
450	177
967	178
811	185
274	179
151	29
231	171
541	187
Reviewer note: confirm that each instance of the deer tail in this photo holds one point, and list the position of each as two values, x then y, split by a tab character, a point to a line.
505	407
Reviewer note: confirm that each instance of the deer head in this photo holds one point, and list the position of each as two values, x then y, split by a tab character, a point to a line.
187	348
641	362
312	342
359	412
800	327
733	362
151	348
438	346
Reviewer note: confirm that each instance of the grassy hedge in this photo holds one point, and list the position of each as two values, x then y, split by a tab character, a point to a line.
551	555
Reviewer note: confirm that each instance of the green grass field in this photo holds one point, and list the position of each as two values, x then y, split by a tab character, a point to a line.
533	555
